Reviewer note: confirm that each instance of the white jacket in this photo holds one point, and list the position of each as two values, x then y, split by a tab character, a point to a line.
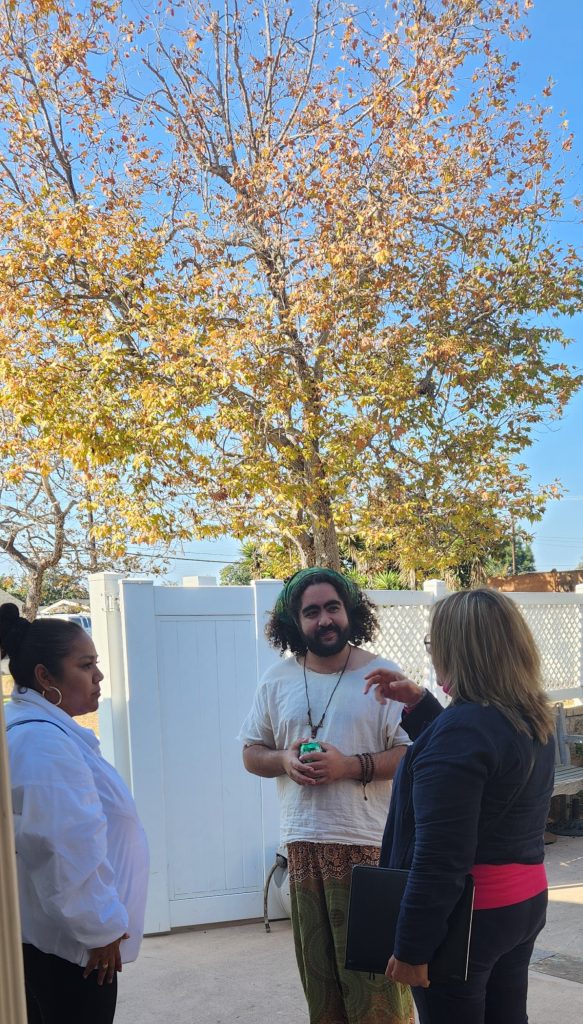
81	852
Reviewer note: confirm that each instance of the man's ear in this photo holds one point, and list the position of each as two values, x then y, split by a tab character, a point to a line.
42	677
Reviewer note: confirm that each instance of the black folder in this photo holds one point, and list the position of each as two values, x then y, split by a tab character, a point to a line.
375	900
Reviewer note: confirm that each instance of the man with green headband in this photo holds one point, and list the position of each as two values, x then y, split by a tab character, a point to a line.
334	798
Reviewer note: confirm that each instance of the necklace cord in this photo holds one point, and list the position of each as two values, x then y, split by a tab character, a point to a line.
315	728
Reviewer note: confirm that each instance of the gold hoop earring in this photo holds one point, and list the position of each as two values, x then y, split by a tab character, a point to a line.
55	703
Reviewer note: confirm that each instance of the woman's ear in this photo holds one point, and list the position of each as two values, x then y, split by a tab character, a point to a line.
43	677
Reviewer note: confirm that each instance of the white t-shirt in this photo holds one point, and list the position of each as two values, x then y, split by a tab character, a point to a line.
354	723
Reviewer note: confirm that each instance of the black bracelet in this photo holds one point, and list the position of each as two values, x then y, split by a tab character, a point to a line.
362	764
367	770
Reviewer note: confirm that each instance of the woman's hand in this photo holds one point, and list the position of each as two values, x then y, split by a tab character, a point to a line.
106	960
414	975
393	686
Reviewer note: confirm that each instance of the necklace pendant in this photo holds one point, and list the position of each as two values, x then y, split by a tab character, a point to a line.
314	731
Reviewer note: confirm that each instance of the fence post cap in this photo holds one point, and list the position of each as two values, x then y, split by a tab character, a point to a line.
436	587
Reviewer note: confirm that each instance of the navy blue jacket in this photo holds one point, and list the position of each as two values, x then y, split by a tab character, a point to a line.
450	788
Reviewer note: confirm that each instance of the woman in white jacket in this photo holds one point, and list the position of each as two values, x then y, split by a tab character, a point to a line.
81	851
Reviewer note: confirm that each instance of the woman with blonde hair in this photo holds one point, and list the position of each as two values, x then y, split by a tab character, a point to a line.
472	796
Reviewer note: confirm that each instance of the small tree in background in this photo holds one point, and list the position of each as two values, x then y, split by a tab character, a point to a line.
500	561
52	527
258	562
56	586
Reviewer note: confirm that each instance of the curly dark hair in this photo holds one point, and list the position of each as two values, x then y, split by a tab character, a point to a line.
282	630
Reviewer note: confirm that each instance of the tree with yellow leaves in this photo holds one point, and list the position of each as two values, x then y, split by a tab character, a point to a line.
284	272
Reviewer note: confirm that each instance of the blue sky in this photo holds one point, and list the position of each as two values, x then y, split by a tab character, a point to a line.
554	50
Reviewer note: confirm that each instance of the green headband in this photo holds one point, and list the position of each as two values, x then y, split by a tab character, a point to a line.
336	579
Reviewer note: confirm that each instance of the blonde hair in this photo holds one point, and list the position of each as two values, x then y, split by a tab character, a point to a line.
483	649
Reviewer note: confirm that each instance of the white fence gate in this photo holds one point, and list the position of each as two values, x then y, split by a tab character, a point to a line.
181	665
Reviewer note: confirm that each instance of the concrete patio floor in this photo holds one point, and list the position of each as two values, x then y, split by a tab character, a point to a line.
240	973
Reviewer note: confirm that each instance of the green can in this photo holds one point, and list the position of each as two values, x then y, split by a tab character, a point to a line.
310	748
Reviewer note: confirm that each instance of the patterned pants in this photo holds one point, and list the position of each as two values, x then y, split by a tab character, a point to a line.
319	875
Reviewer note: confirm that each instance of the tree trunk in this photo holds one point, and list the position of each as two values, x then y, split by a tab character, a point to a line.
33	593
318	546
93	560
304	542
326	549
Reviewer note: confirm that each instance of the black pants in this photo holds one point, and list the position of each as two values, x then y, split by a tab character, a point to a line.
57	992
500	952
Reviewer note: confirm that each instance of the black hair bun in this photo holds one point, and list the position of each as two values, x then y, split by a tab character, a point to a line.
13	629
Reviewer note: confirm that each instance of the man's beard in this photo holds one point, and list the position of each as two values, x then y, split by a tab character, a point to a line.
325	650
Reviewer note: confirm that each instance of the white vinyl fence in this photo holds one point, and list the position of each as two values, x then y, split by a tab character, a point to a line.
181	665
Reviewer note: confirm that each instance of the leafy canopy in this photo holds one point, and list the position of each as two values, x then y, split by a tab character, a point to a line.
284	271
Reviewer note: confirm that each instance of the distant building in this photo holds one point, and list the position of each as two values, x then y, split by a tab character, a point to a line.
64	606
538	582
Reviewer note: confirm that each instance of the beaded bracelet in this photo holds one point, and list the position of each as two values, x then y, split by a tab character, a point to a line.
367	770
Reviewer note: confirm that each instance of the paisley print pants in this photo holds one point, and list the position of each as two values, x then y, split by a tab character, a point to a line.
319	875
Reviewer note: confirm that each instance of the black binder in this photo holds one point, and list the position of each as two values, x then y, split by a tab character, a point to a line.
375	900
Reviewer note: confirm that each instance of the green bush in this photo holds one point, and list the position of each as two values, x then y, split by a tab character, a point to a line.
388	580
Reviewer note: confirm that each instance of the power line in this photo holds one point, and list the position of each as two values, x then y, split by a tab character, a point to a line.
193	554
183	558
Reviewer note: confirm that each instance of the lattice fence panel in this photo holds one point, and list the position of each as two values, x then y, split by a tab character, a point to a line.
400	638
558	631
